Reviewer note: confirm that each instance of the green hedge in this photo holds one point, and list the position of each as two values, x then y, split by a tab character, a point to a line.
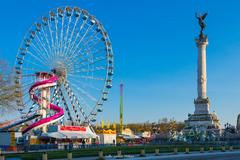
111	151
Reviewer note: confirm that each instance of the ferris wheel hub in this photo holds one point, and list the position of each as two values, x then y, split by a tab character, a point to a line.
60	72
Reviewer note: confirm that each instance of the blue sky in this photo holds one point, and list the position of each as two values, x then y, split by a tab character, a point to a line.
155	52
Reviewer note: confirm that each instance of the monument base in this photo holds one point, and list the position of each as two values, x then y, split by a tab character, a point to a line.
208	123
202	119
202	105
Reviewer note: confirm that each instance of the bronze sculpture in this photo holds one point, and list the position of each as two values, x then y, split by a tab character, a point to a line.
201	23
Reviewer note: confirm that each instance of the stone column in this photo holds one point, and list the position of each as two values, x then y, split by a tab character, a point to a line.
202	71
202	101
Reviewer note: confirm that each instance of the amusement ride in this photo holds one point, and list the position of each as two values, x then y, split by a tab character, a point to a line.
63	71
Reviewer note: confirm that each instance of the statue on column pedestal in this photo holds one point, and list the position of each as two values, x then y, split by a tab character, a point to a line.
202	119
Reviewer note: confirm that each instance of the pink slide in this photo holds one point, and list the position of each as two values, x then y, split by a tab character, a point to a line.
59	111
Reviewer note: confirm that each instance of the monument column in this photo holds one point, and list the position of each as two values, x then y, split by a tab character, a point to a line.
202	102
202	42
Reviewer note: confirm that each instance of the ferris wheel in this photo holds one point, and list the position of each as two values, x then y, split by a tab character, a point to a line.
72	45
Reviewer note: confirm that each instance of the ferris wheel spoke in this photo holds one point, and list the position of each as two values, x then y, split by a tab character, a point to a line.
66	106
34	64
88	50
52	41
39	56
61	37
70	47
100	50
91	37
25	94
72	79
74	55
74	61
93	45
99	59
70	97
83	92
76	101
30	69
95	69
99	68
27	102
49	53
77	49
36	54
90	61
54	93
93	78
25	80
26	84
41	47
66	35
51	27
56	37
24	89
73	50
71	36
89	77
28	75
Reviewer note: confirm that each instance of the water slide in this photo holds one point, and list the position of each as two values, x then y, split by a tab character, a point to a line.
47	83
13	123
59	112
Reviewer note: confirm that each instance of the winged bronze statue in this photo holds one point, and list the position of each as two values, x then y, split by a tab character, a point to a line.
201	22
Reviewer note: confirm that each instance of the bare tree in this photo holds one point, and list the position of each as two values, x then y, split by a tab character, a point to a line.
7	88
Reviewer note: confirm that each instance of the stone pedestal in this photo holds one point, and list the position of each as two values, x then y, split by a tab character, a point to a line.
157	151
210	149
119	153
142	152
44	156
69	156
100	155
175	150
